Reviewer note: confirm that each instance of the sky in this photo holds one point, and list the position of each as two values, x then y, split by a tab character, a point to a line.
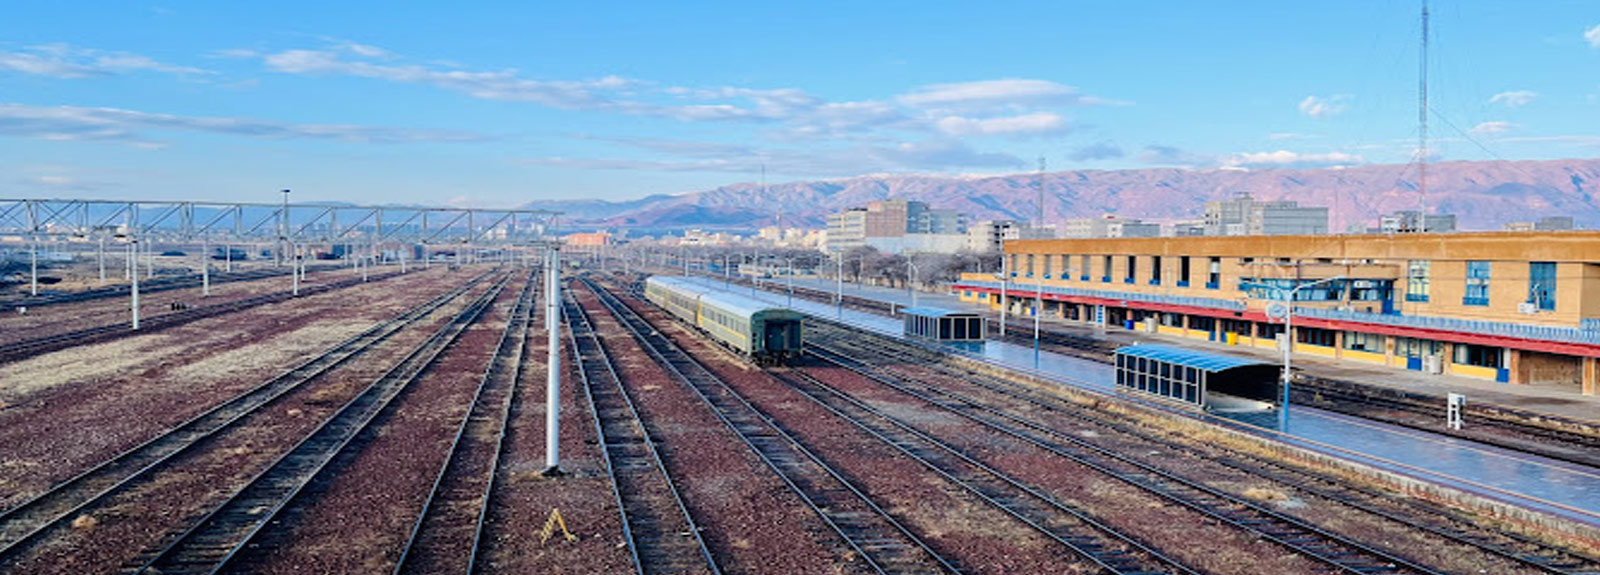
498	104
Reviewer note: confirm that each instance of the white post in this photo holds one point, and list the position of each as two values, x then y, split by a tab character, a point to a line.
294	269
101	258
552	320
227	258
1005	278
205	267
838	289
1288	344
133	250
33	266
1038	313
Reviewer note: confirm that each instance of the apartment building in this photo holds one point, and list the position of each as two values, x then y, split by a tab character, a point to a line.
1516	307
1244	215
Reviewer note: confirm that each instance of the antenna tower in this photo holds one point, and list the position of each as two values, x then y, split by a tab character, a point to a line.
1422	129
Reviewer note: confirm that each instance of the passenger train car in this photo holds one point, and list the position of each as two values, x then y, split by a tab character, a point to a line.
763	333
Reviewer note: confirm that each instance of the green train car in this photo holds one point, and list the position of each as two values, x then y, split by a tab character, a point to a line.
765	334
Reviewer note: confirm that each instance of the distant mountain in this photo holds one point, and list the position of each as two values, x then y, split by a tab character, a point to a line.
1483	195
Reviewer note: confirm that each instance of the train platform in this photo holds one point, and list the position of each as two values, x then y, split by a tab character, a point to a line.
1555	400
1563	489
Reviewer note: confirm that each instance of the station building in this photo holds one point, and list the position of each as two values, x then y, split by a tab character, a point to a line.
1514	307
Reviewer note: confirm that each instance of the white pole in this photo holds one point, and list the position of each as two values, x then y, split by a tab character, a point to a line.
1038	314
102	259
294	269
552	319
33	266
133	250
227	258
838	288
1005	278
205	267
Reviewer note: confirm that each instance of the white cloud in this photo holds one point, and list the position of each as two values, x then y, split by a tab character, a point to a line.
988	94
932	155
499	85
1035	123
1288	159
1593	36
1321	108
1514	99
69	62
73	123
1492	128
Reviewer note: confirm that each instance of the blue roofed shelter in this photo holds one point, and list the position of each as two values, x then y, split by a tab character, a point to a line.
1191	377
941	324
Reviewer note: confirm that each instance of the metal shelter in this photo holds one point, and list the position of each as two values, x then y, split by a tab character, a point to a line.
1192	377
939	324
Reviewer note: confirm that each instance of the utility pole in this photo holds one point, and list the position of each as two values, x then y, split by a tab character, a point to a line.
1038	278
1422	126
552	322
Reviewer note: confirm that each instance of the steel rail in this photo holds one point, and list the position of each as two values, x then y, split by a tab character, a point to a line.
26	521
884	543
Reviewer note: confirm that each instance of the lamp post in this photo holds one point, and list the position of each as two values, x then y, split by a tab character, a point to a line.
1288	343
789	262
911	283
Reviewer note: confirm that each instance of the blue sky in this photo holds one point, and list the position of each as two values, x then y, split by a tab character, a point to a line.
499	104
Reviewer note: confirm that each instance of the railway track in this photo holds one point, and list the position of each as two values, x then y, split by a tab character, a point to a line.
1445	523
214	539
881	541
1521	432
447	534
1336	552
1102	545
28	348
149	286
24	523
654	518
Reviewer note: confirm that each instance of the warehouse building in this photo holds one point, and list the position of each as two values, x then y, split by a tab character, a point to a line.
1516	307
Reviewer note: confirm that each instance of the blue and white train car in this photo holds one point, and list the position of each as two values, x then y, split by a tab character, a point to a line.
765	334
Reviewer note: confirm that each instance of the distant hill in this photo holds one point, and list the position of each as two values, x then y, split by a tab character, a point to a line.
1484	195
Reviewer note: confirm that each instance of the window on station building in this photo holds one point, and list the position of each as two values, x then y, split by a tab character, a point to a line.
1083	267
1183	271
1542	284
1268	330
1202	323
1105	269
1316	336
1171	319
1155	270
1417	280
1132	271
1030	265
1214	275
1479	355
1413	347
1048	272
1368	342
1477	293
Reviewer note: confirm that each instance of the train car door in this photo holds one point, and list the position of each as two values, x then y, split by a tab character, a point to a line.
777	335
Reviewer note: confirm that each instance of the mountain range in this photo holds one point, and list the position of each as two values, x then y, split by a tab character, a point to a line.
1483	194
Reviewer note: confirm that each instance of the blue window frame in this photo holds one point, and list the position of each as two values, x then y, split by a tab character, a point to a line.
1477	293
1542	284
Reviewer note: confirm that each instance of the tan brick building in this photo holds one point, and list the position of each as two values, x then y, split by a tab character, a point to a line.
1518	307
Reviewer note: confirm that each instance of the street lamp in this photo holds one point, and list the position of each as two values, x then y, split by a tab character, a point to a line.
911	285
1287	312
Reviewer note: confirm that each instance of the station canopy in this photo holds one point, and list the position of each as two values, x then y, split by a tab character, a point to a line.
1192	376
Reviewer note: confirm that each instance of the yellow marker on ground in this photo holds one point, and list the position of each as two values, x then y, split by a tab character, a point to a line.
554	522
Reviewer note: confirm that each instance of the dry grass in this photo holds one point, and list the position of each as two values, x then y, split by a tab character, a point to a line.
85	521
